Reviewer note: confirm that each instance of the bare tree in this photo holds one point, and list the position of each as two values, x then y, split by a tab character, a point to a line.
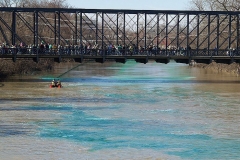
24	18
34	3
215	5
8	3
225	32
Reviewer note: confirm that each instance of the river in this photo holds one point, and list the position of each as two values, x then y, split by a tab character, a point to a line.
121	111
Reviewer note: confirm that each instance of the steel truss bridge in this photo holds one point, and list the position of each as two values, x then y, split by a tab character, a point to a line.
100	34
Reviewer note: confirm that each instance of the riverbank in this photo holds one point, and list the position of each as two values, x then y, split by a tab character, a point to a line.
23	67
233	68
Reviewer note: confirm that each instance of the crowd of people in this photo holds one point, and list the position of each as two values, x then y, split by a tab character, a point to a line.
89	49
110	49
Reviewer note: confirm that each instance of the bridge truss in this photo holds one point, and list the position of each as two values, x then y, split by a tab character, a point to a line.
204	32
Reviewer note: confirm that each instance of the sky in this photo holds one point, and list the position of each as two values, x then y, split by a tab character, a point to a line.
131	4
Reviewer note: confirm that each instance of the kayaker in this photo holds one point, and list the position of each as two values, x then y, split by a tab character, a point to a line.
58	83
53	82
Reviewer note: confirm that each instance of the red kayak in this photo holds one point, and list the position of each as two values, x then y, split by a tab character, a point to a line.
55	86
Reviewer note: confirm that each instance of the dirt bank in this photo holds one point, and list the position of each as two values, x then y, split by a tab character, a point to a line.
24	66
233	68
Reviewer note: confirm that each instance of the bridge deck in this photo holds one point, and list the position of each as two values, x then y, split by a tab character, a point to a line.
124	58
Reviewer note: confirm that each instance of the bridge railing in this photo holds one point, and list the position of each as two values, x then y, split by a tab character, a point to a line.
214	52
117	52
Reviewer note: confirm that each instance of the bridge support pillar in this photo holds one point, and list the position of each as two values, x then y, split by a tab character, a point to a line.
205	61
144	60
36	59
100	60
59	59
224	61
14	58
80	60
121	60
166	61
237	60
186	61
232	60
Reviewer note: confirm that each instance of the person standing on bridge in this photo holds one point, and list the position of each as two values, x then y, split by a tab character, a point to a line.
50	48
54	48
120	49
109	49
41	48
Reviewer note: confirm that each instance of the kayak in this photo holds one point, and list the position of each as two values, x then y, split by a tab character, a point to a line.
55	86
